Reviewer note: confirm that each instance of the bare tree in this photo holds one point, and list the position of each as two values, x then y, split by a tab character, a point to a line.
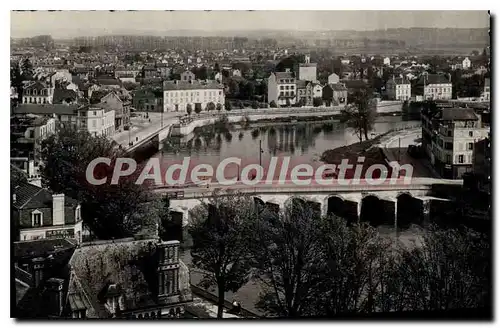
287	258
361	112
219	248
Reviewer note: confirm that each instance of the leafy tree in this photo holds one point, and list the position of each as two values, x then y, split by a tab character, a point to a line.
16	79
218	107
273	104
197	108
286	254
255	105
27	69
234	88
240	104
228	105
219	243
288	103
189	109
361	113
108	209
210	106
317	101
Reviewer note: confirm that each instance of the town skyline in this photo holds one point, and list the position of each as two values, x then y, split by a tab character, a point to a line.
31	23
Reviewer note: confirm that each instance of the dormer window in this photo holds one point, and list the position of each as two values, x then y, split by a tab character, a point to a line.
36	218
34	92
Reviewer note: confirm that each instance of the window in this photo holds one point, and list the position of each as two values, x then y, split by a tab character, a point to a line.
471	146
460	158
448	146
471	133
282	87
94	123
37	219
95	113
448	159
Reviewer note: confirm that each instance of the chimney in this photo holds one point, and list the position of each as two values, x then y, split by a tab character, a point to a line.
38	268
55	295
168	267
58	209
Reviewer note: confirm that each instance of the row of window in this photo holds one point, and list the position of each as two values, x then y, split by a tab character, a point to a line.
287	81
287	87
176	94
169	282
35	100
34	92
287	93
439	90
188	100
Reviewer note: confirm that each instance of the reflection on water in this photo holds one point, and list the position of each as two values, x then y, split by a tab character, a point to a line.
305	139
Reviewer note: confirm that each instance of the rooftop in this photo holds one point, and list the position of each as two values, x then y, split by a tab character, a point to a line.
29	196
191	85
457	114
46	109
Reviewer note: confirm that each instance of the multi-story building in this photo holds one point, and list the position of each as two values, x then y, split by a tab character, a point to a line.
39	214
187	76
177	95
466	63
448	138
95	119
148	100
27	133
38	93
434	87
281	87
136	279
317	90
398	89
335	94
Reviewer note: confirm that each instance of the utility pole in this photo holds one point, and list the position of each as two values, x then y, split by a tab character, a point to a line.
399	149
162	118
260	152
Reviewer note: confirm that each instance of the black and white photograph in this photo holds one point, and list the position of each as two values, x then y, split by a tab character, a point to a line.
264	164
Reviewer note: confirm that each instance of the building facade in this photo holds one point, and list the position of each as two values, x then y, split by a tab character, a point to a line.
398	89
435	87
38	93
39	214
177	95
448	138
281	88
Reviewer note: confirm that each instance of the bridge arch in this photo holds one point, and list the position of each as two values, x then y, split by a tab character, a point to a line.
409	210
295	202
372	210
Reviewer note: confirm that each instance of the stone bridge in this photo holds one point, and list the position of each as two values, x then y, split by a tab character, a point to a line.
397	206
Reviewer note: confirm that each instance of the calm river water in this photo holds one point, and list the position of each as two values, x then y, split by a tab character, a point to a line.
303	141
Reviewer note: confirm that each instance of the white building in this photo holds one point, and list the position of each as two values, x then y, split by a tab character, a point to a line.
398	89
466	63
178	94
452	146
333	78
435	87
38	93
307	71
281	86
387	61
317	90
97	120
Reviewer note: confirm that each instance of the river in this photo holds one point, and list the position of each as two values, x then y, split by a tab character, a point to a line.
305	141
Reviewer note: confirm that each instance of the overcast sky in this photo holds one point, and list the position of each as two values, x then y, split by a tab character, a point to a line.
74	23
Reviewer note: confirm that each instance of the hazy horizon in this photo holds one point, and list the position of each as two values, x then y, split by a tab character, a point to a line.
96	23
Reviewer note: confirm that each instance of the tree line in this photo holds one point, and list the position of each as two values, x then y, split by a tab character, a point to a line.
307	265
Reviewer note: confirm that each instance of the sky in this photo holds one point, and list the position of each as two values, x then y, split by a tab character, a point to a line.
63	24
